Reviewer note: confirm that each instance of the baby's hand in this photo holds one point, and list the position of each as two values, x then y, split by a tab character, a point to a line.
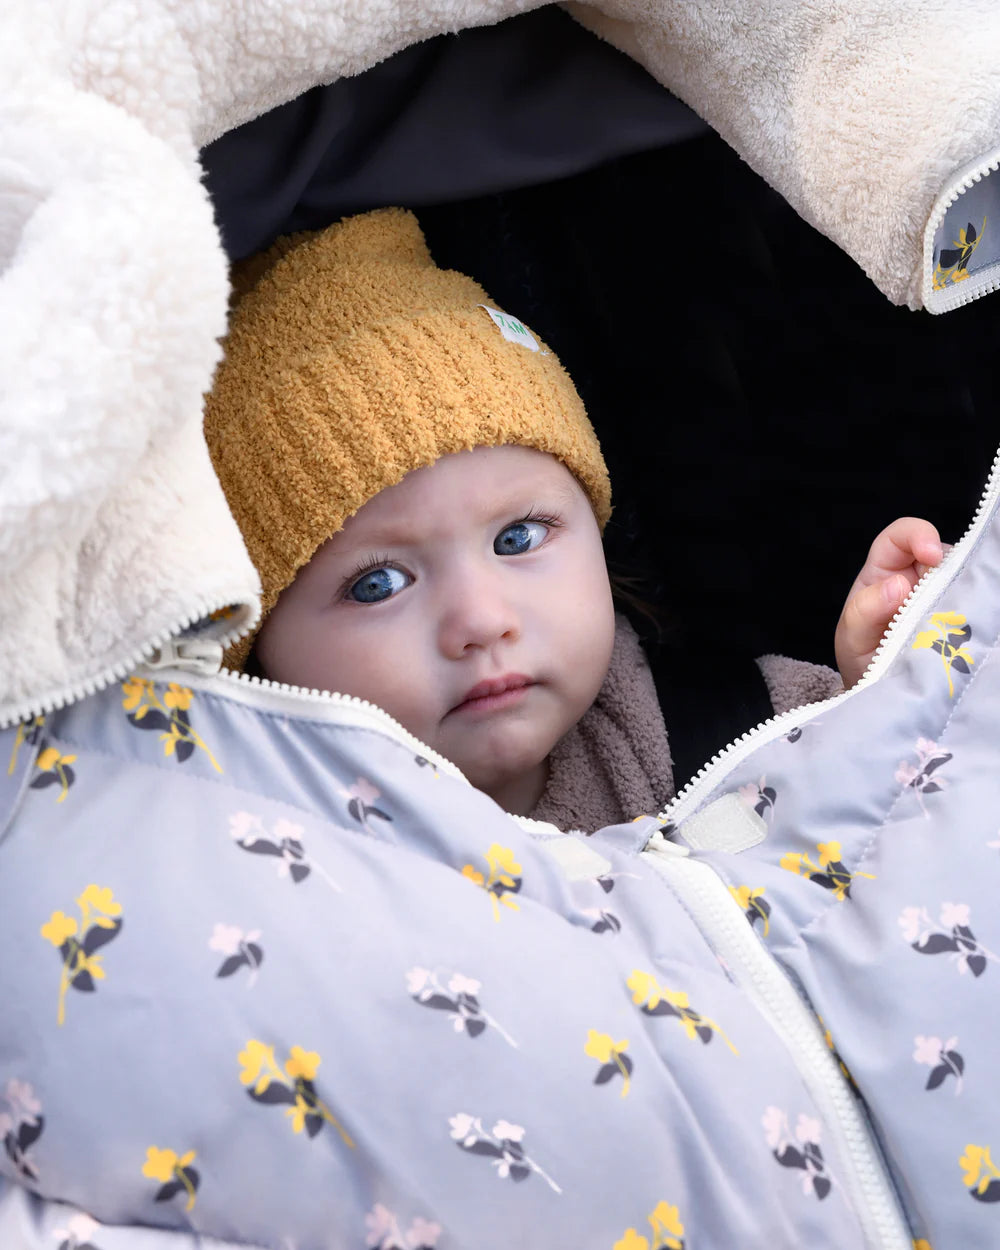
899	557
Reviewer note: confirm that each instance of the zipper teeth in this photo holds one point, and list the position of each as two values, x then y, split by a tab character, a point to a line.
955	297
872	1194
371	711
928	586
892	642
41	705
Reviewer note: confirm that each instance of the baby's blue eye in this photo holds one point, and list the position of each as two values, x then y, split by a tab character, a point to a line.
520	537
377	585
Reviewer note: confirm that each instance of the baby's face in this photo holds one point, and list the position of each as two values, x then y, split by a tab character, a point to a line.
471	602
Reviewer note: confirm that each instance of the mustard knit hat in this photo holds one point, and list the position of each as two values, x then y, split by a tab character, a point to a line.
352	359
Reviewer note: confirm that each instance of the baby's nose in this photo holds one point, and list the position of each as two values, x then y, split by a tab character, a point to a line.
477	615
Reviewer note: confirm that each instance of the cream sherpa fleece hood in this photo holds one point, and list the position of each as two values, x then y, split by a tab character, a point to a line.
877	122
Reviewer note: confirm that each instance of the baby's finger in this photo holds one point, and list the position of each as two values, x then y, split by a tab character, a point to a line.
908	540
867	615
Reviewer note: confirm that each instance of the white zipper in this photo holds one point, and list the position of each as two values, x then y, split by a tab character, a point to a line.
869	1190
914	606
40	705
975	285
195	662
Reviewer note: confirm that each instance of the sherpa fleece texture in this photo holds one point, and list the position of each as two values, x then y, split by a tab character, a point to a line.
113	285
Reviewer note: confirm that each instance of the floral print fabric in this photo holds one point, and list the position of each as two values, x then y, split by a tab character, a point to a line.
325	995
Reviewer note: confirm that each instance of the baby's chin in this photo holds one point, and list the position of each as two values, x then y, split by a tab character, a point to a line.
515	789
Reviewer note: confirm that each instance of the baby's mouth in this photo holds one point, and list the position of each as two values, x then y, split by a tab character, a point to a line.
494	693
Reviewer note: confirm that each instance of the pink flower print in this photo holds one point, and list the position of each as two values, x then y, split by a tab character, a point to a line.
951	935
383	1231
508	1131
775	1124
457	994
924	777
927	1049
942	1058
912	921
458	984
422	1234
807	1129
379	1223
801	1151
461	1129
225	939
503	1145
416	979
954	914
759	796
283	843
241	950
21	1099
77	1233
21	1125
361	803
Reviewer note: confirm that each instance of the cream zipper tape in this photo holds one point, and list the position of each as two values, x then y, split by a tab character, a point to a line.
869	1190
913	607
195	663
50	701
952	276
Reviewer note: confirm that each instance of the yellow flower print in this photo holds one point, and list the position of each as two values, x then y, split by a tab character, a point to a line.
298	1113
78	941
146	710
159	1165
504	877
632	1241
667	1231
501	861
980	1174
753	905
54	769
291	1085
135	690
100	899
654	999
178	697
667	1227
302	1063
174	1172
644	988
253	1061
953	262
58	928
611	1055
947	637
971	1163
830	872
27	731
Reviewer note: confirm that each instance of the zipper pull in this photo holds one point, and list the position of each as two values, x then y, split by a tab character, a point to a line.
196	655
670	850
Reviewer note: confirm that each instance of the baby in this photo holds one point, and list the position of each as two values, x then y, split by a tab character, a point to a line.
424	497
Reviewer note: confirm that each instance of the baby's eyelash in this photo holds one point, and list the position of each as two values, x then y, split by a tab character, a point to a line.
367	565
543	518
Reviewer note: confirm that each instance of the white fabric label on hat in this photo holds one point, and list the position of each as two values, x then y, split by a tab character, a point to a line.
514	331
